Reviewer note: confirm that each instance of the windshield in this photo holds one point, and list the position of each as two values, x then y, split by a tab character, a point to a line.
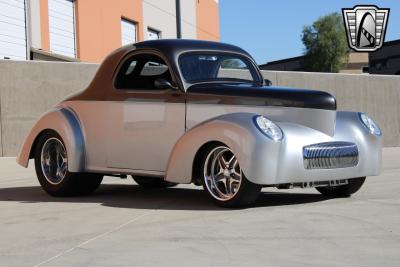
196	67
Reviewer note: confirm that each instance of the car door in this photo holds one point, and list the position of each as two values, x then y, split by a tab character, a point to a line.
144	122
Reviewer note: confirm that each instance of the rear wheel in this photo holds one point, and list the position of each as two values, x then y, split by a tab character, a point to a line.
224	180
51	164
346	190
152	182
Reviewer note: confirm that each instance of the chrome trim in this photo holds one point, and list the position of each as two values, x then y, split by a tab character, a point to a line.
378	131
265	133
54	161
330	155
320	183
222	173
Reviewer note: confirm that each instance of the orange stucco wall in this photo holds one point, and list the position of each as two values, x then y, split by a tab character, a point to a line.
99	25
207	13
44	25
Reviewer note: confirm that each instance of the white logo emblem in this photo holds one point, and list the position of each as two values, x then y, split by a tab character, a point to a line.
366	27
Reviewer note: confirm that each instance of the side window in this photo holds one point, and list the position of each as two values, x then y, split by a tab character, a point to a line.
154	69
141	71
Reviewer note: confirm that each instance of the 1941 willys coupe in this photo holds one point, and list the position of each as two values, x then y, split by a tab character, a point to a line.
184	111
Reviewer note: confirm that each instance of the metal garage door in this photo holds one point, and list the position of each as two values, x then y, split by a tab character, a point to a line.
62	27
12	29
128	32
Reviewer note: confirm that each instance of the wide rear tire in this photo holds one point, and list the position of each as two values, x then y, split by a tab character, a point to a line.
51	165
347	190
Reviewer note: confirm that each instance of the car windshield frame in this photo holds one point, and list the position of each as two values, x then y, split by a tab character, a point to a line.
251	66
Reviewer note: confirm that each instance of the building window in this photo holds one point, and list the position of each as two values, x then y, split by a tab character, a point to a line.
62	27
153	34
128	32
12	30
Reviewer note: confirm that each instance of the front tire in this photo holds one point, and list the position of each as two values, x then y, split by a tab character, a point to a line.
346	190
224	180
51	165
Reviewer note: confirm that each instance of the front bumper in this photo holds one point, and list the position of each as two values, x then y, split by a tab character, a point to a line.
287	162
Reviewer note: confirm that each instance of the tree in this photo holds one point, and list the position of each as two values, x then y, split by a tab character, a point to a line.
325	44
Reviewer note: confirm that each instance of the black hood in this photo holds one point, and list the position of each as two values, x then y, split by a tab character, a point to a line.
247	94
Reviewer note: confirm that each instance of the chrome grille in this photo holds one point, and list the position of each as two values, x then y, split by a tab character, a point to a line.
330	155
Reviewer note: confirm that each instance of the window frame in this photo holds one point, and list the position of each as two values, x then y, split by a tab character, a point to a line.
138	53
254	66
151	29
135	23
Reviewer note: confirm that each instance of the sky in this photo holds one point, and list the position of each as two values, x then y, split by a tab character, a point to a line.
271	29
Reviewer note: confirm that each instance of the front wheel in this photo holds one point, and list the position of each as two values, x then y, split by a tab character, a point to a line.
51	164
346	190
224	180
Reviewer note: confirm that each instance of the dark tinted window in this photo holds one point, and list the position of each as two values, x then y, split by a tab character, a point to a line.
199	67
141	71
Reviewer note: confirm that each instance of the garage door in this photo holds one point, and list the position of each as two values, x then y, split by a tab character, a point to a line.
62	27
12	29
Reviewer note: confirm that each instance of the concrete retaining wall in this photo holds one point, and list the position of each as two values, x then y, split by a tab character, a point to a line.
27	89
376	95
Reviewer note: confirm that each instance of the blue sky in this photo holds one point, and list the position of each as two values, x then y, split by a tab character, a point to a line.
271	29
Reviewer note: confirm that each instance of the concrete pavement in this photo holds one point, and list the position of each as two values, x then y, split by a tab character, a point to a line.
124	225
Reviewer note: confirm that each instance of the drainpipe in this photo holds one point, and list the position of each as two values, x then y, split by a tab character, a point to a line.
178	19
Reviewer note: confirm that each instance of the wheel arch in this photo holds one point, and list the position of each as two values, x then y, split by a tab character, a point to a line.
197	162
64	122
35	141
236	131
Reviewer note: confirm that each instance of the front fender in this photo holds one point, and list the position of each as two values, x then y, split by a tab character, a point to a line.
62	120
236	130
266	162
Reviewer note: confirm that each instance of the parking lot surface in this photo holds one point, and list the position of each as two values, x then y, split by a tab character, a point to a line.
125	225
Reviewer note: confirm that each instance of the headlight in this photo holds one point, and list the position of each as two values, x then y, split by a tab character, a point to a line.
372	127
267	127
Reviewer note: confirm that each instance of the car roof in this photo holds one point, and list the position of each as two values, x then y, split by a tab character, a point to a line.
170	48
174	47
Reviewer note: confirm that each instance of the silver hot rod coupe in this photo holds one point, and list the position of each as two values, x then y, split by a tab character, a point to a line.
183	111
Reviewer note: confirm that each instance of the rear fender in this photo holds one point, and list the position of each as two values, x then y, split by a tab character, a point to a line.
62	120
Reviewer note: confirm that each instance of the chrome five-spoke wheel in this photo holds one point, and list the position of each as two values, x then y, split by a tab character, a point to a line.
51	164
224	180
54	161
222	173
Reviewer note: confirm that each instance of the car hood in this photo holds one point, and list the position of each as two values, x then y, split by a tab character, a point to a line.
248	94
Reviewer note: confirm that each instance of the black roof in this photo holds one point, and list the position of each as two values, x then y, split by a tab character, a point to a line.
173	47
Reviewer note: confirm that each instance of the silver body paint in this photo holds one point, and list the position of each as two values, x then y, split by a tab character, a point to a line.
150	139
